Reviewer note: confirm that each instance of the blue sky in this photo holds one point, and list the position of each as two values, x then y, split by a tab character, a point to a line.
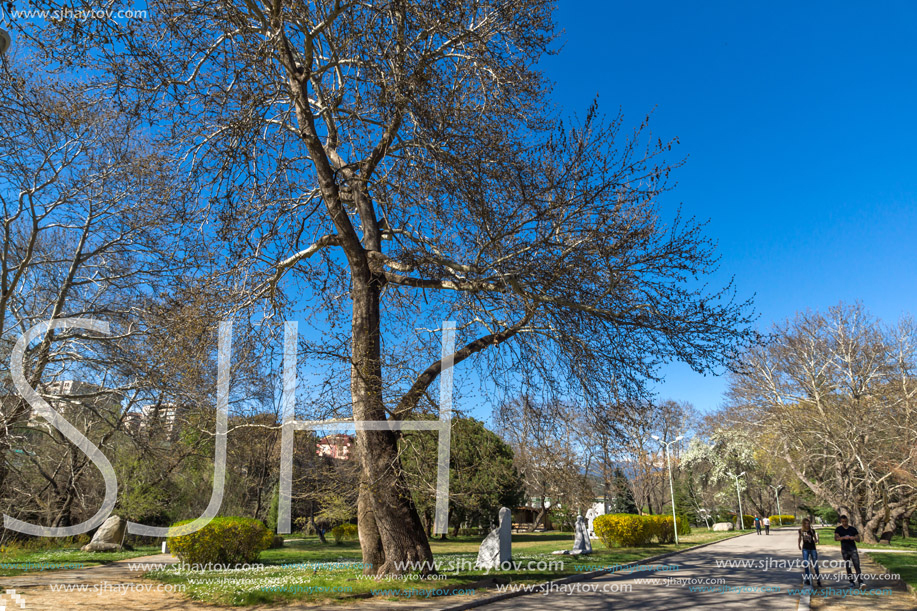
799	125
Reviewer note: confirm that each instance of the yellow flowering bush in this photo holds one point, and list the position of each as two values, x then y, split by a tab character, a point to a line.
782	520
628	530
223	541
623	529
664	528
344	532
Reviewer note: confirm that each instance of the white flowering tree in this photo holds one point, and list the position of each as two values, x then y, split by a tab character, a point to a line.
706	466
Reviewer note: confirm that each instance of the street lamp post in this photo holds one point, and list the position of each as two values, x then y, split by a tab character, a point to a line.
777	490
739	496
671	485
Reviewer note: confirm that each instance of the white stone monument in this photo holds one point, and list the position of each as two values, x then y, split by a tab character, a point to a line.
581	542
497	546
597	509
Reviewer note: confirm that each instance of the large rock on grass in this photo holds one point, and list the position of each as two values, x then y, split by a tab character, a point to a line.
109	537
723	526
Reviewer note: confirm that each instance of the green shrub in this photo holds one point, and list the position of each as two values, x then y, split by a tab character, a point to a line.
226	540
344	532
273	510
623	529
684	525
470	532
564	520
304	525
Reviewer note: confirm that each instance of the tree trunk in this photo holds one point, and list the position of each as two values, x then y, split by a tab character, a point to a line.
318	531
541	514
386	511
867	528
905	524
368	532
606	490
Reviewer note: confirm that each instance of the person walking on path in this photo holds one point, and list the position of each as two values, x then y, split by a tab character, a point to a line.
767	525
757	524
848	536
808	539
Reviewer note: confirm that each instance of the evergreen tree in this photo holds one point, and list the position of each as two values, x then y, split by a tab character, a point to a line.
622	499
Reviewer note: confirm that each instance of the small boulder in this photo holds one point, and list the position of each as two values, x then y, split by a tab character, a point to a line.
723	526
109	537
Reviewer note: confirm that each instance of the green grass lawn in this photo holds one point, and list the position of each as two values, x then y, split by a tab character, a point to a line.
902	564
50	559
826	537
291	573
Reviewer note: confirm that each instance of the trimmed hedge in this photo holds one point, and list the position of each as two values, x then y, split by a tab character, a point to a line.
631	530
228	540
622	529
344	532
665	532
665	529
782	520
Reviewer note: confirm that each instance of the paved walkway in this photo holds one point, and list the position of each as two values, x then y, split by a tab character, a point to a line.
107	587
748	572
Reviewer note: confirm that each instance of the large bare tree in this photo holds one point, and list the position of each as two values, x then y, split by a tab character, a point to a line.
94	225
390	164
87	209
834	394
549	452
